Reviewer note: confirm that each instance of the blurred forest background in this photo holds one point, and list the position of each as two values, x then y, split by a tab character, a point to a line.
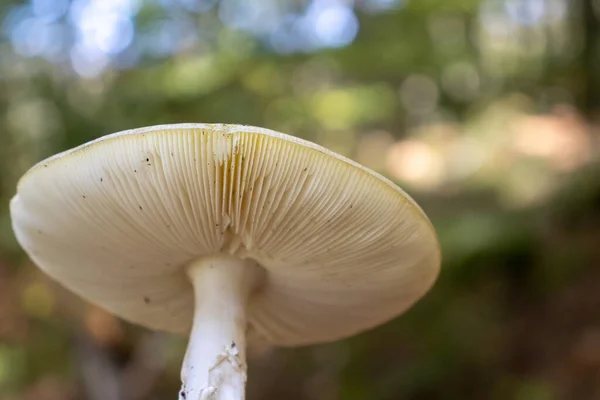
486	111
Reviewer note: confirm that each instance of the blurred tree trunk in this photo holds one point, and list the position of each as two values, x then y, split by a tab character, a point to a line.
591	59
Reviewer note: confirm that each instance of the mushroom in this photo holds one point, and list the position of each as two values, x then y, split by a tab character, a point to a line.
226	232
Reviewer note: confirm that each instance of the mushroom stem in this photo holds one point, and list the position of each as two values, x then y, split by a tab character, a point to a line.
215	361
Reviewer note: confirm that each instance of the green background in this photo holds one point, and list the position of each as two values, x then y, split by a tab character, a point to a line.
486	112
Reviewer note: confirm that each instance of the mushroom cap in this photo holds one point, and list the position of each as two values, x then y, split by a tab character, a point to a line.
118	219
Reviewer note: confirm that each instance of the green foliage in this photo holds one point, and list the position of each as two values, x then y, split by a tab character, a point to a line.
487	121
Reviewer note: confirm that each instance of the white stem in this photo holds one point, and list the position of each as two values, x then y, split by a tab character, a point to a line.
215	361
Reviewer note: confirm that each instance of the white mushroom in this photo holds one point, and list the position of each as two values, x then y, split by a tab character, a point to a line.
224	231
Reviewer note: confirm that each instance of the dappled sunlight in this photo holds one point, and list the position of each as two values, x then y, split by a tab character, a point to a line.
562	138
415	162
485	112
524	161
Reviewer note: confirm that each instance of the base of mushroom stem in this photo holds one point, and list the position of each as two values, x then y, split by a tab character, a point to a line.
215	362
229	355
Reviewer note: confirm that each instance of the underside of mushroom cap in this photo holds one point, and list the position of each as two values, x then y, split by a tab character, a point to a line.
117	221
